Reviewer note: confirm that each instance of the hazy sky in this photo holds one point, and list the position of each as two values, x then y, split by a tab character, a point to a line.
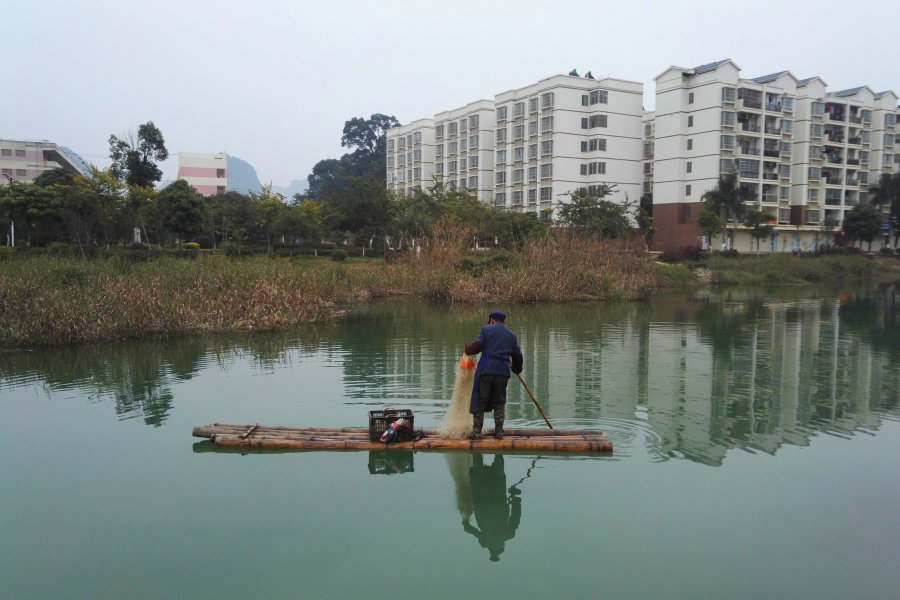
272	82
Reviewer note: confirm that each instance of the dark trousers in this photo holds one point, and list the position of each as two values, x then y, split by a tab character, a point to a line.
491	397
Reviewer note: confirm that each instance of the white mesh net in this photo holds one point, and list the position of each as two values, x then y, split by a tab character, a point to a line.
457	421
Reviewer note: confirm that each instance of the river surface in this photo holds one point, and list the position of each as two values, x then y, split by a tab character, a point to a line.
757	455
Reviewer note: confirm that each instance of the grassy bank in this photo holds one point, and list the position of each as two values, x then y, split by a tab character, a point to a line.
789	269
52	300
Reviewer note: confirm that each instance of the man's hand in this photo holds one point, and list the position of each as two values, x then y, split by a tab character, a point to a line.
474	348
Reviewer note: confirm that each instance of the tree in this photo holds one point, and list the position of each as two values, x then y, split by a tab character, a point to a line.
58	176
365	206
302	219
181	209
887	191
758	222
588	211
863	223
94	210
710	224
269	208
30	205
727	199
135	156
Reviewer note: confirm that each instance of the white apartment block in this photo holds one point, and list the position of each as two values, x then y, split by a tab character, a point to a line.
804	153
464	148
410	156
206	173
564	133
24	160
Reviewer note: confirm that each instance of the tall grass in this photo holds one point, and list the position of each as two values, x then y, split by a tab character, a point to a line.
787	269
46	300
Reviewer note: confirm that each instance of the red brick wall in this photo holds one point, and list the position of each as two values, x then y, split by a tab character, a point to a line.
673	228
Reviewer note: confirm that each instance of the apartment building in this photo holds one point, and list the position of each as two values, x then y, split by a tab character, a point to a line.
410	156
804	153
206	173
464	148
25	160
567	132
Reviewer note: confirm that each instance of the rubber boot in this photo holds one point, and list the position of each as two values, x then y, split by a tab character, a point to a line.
499	417
478	425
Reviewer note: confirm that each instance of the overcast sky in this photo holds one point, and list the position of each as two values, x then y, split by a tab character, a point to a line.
272	82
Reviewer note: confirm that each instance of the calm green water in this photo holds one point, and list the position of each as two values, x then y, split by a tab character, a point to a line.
756	435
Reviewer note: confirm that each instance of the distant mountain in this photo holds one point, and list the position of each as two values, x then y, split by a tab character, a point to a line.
297	186
242	176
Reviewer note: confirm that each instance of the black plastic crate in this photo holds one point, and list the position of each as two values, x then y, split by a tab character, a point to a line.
380	420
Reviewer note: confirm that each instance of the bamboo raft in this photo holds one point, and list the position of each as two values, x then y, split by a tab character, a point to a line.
357	438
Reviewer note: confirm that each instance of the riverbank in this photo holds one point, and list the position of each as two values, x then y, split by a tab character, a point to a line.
51	300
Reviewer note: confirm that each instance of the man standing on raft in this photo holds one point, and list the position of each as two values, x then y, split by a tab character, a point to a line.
499	351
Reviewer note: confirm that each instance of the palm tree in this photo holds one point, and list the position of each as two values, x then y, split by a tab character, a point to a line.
727	198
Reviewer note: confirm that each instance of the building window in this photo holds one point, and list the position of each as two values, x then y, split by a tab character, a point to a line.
815	130
501	156
518	152
547	170
453	128
390	162
452	166
519	132
547	147
784	215
473	182
866	137
473	162
788	104
451	147
20	153
647	167
439	168
409	140
501	134
546	194
547	100
6	152
519	109
417	137
462	144
546	123
888	139
687	192
439	150
584	123
500	199
690	166
728	118
785	193
517	175
532	196
517	197
813	195
691	98
220	189
787	126
8	172
786	148
473	141
648	129
888	159
599	97
785	171
532	173
864	157
584	146
890	119
402	143
728	94
501	113
220	173
815	173
817	108
439	131
532	127
594	168
690	144
532	151
462	124
597	121
687	209
647	187
691	121
473	122
727	142
584	100
812	216
500	177
532	105
417	155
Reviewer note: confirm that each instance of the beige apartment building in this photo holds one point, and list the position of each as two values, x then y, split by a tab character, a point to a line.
24	160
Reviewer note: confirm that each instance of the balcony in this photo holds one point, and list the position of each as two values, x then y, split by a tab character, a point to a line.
727	168
750	151
772	153
770	176
856	141
770	198
836	117
852	161
835	139
850	201
832	201
857	120
750	128
836	160
773	130
754	104
749	174
833	181
852	182
773	107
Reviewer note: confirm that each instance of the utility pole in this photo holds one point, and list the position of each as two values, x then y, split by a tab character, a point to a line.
12	226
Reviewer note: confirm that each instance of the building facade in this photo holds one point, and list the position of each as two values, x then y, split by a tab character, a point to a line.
464	148
206	173
410	156
25	160
806	155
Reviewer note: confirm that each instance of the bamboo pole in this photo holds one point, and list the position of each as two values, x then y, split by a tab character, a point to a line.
214	428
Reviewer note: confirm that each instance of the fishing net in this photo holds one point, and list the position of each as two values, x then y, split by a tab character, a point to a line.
458	463
457	422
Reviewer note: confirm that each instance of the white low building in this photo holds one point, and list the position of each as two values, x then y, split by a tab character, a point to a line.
464	148
24	160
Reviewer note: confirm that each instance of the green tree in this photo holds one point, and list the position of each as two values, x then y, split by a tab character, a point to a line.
589	211
863	223
94	210
269	208
59	176
30	205
302	219
710	224
365	207
135	155
727	199
887	192
758	222
181	209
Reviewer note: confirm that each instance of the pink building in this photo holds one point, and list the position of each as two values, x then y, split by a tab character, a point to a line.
207	173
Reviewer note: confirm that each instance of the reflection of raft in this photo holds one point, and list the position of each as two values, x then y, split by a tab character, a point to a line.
357	438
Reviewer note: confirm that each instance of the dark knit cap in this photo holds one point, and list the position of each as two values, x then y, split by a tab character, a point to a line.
497	316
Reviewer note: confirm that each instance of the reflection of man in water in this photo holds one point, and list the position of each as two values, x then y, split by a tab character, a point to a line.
497	515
